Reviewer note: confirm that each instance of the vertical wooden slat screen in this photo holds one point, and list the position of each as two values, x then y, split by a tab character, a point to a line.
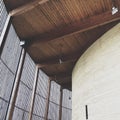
22	105
6	83
9	59
3	15
41	96
11	51
47	102
61	96
66	105
33	92
54	104
15	87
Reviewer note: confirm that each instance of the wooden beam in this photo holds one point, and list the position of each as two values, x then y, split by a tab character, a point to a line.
78	27
47	103
16	86
33	93
27	7
62	79
4	30
53	61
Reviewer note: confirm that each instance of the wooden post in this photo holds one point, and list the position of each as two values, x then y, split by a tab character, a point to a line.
60	111
4	30
33	93
15	88
47	103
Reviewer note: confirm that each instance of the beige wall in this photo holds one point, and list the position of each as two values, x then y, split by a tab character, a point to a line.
96	80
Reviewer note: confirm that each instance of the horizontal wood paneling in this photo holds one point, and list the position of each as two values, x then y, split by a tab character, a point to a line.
25	88
11	4
59	14
69	45
53	19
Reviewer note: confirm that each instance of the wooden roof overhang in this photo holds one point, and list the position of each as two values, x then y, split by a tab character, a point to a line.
57	32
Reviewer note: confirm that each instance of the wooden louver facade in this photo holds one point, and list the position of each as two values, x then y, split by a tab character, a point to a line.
18	86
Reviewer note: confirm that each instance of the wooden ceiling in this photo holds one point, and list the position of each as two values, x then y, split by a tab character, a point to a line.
57	32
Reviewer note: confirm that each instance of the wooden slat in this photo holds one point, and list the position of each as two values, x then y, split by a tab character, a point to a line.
16	85
27	7
48	97
78	27
60	111
4	30
60	78
47	63
65	59
33	93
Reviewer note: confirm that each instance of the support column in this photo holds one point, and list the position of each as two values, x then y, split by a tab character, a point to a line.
15	88
60	111
4	30
33	93
48	97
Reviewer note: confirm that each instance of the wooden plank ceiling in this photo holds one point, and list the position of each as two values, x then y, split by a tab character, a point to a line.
57	32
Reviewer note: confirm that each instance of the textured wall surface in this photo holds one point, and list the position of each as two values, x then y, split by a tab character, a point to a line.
96	80
22	105
9	59
3	15
66	105
54	103
41	94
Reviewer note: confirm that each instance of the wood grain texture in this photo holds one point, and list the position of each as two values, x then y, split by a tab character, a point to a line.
27	7
59	28
15	87
4	21
33	93
86	24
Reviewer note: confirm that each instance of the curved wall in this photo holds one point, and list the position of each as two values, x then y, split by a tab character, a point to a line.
96	80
